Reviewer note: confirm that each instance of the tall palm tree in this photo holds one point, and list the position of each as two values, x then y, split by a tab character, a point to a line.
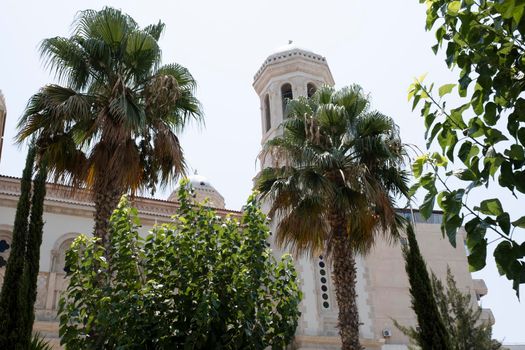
111	126
334	175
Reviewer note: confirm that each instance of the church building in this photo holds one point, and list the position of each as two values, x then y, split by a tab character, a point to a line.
382	285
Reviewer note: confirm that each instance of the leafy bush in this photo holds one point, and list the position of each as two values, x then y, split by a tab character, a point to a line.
199	282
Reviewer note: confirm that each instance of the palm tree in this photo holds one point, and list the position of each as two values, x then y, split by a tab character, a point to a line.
332	183
111	126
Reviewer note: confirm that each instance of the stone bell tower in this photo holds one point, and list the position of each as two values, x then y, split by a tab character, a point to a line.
289	72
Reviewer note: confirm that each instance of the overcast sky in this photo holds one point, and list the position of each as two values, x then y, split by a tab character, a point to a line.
380	45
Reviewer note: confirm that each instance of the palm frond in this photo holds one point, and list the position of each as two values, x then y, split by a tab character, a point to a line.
115	120
67	60
335	159
155	30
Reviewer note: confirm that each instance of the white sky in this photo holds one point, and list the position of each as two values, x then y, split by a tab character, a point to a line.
380	45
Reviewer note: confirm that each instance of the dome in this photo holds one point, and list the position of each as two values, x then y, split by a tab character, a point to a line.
204	192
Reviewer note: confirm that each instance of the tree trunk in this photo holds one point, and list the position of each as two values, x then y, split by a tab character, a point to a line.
345	284
106	200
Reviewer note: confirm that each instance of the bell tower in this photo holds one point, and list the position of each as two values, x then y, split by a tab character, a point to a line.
289	72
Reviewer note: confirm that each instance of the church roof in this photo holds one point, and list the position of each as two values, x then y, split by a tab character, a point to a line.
288	52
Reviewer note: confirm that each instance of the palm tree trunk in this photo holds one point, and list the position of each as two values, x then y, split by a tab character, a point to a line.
345	284
106	200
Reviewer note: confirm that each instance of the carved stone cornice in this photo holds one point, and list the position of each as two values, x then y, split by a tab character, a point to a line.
65	200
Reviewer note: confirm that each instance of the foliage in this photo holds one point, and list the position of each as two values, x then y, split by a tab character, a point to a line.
331	182
199	282
111	126
32	256
484	41
39	343
10	298
18	295
432	333
462	318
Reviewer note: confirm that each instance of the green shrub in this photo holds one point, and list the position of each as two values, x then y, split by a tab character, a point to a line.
199	282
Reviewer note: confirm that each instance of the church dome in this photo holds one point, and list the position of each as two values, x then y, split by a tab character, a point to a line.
204	192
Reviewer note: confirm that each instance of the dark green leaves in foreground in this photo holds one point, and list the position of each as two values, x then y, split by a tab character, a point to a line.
199	282
483	41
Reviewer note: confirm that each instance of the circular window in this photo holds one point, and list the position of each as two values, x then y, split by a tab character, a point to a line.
322	272
323	279
325	296
326	305
321	264
324	288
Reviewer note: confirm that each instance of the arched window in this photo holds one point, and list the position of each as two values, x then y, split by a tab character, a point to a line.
286	95
267	116
5	248
310	89
59	260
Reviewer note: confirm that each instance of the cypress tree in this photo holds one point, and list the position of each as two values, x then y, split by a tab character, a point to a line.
432	334
32	257
10	295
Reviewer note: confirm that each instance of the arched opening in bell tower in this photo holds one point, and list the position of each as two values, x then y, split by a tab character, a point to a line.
267	116
286	95
310	89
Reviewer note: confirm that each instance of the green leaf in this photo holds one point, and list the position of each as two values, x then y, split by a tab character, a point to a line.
504	222
451	225
515	152
417	166
446	89
490	113
490	207
494	135
521	136
465	175
453	8
428	181
504	256
456	116
433	133
519	223
506	177
440	160
478	256
428	205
